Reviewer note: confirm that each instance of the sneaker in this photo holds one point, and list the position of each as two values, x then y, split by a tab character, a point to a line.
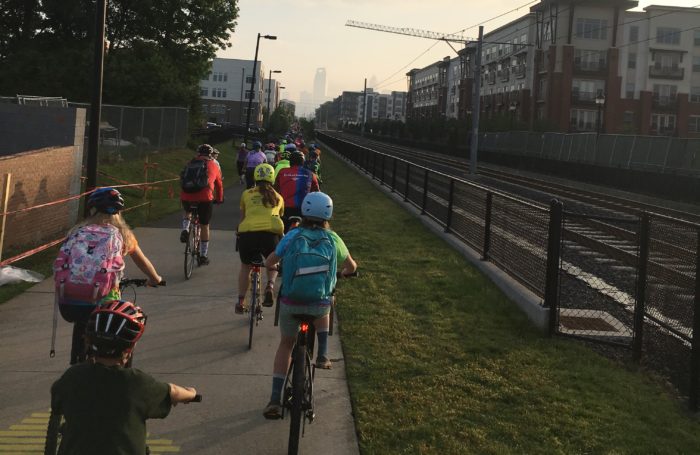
273	410
269	297
323	363
239	308
183	236
203	260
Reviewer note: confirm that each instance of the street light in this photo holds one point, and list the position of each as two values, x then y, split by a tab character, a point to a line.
269	94
252	84
512	108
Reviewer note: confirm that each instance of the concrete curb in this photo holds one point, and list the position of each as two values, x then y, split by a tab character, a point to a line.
525	299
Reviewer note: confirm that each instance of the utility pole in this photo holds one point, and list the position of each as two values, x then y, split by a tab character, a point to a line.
364	108
96	104
476	104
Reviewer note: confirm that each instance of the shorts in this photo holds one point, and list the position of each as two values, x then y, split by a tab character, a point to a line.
252	244
204	209
289	212
239	166
249	177
289	326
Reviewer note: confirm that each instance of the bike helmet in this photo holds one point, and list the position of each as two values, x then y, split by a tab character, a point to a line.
317	205
296	158
242	145
271	146
284	155
264	172
290	147
215	153
257	145
106	200
114	328
205	150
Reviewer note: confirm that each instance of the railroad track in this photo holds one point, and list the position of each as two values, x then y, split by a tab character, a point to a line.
600	229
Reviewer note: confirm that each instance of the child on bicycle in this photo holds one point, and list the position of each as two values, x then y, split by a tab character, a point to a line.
105	405
314	231
91	262
259	230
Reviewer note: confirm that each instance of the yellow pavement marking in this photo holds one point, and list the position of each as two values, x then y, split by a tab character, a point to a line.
29	436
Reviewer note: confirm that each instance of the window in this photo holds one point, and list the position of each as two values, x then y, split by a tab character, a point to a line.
696	64
629	91
249	95
667	35
204	91
587	90
632	60
584	120
664	94
592	28
694	124
667	60
663	123
634	34
628	120
697	37
249	79
695	94
218	93
589	60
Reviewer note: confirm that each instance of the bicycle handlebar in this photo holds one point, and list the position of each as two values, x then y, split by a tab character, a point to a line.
197	399
138	282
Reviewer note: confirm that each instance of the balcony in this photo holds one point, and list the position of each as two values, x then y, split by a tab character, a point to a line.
504	75
491	78
664	102
667	72
590	66
579	97
520	71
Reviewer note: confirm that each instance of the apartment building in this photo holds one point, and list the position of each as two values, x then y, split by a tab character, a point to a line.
578	65
225	91
271	94
383	106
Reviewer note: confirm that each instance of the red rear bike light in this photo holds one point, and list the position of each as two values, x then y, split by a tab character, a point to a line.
304	327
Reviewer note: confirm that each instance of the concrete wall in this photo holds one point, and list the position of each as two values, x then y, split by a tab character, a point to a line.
42	147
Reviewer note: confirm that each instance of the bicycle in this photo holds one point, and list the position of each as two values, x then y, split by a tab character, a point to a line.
193	242
54	430
254	309
298	389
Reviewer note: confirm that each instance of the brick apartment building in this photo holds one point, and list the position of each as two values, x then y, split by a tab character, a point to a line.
567	61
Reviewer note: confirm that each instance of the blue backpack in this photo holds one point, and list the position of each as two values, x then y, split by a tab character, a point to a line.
309	272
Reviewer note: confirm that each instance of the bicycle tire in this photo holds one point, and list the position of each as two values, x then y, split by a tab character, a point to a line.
189	252
277	307
252	308
311	340
53	441
298	379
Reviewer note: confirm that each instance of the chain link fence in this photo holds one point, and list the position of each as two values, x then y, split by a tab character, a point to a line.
653	153
128	132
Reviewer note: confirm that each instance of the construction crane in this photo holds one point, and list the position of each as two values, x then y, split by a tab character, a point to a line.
448	38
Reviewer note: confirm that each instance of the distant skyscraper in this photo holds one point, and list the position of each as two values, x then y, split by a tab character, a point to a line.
320	86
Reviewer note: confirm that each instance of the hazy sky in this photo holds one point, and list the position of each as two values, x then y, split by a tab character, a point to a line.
312	34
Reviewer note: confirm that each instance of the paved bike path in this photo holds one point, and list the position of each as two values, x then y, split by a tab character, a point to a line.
192	338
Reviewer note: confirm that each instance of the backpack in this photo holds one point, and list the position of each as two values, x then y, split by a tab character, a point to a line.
194	176
89	265
310	266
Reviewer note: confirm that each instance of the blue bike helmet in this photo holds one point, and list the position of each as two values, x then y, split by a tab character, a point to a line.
290	147
257	145
317	205
106	200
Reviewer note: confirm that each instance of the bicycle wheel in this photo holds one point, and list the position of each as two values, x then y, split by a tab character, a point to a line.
252	308
53	435
190	251
298	379
277	307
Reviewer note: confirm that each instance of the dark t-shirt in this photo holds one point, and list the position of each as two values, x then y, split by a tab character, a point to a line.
106	408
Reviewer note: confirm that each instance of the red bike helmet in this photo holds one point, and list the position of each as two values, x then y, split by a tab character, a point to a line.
114	328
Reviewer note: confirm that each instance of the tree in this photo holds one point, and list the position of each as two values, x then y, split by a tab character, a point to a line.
159	49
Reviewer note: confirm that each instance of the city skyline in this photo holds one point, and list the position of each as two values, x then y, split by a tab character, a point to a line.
319	39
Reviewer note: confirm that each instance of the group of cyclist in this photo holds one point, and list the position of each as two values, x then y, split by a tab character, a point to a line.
282	185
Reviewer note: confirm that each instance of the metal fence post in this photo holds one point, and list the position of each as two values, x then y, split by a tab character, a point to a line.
487	226
374	165
551	290
381	180
640	297
695	354
393	176
450	204
408	179
425	193
3	207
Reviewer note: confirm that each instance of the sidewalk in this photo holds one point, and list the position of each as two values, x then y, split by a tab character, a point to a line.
192	338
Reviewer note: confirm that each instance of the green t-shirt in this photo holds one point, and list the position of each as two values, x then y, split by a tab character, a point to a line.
106	408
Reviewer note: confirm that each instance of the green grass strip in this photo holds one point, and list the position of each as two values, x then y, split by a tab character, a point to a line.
439	361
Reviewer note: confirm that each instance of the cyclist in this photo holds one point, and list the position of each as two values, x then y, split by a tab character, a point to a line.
106	405
313	163
215	158
254	157
283	162
317	209
259	230
240	161
79	272
210	189
271	154
294	183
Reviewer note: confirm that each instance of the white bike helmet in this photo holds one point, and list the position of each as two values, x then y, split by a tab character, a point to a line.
317	205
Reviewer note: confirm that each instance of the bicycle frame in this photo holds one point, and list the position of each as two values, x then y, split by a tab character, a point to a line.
192	244
254	308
